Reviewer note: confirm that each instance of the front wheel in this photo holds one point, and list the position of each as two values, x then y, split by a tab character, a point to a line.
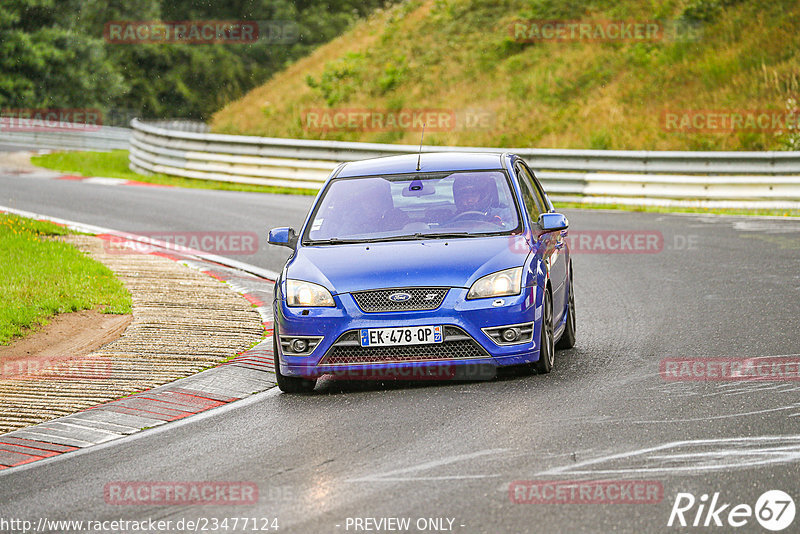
289	384
567	340
547	350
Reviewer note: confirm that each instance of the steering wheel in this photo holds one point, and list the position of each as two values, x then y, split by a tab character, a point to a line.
469	215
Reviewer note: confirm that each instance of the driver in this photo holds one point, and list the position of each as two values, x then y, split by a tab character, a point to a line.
474	194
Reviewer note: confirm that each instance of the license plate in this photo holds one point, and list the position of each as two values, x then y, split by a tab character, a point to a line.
414	335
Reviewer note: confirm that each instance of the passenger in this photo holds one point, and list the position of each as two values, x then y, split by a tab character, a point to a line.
371	210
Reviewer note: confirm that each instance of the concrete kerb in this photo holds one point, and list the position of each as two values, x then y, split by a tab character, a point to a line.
248	373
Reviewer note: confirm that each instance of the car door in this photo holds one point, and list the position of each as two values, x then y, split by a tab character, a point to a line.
537	203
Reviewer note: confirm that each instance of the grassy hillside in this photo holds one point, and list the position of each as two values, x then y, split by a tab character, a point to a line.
461	56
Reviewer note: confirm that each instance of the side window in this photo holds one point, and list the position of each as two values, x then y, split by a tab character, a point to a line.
530	195
545	201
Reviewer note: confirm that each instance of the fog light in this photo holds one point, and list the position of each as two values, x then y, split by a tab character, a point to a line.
299	345
510	334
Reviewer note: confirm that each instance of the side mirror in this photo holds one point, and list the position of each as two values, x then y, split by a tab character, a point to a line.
552	222
284	237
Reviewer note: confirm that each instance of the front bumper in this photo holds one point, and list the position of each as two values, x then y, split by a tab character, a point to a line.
466	344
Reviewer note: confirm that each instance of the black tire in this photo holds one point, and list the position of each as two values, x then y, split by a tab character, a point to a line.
289	384
567	340
547	349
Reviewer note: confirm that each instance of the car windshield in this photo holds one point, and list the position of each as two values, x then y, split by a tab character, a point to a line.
418	206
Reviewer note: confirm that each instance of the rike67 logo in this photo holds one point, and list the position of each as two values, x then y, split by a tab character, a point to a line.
774	510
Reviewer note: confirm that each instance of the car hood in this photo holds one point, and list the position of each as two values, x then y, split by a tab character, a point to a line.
433	262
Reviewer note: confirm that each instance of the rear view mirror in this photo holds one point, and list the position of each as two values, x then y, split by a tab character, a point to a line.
419	188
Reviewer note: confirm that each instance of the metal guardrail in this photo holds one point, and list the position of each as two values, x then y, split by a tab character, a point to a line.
621	175
82	137
70	137
185	148
181	125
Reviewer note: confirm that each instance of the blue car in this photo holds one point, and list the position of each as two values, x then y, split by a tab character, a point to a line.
407	265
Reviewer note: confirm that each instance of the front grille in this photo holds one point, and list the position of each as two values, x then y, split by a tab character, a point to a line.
419	298
457	345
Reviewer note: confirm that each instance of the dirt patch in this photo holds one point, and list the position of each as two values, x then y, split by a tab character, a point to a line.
18	162
68	336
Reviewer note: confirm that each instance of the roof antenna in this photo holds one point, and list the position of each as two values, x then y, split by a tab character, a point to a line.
420	146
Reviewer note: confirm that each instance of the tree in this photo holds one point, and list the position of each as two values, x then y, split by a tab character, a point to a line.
52	53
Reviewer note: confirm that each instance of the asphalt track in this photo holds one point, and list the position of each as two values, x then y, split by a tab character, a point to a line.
716	287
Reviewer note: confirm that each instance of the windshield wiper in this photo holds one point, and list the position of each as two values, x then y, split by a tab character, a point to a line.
418	236
407	237
340	241
444	235
332	241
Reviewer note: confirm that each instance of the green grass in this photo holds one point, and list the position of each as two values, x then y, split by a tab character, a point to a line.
670	209
40	277
114	164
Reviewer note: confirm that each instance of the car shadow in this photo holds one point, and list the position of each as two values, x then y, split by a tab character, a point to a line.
329	385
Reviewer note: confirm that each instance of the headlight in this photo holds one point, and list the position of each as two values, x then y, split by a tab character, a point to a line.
497	284
299	293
